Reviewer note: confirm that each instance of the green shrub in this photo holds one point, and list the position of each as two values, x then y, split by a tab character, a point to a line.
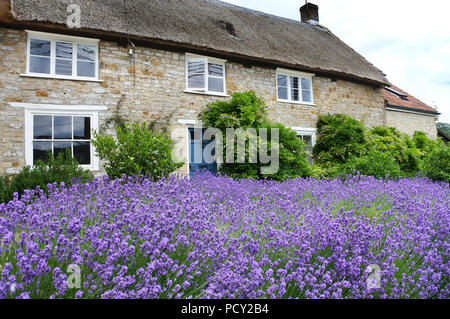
339	137
63	168
5	189
293	156
136	150
374	163
319	172
436	166
343	144
245	110
426	145
399	145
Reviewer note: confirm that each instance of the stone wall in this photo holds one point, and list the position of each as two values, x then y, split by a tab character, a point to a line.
153	92
409	123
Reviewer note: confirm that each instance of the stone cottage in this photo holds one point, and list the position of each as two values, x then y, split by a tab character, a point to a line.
68	67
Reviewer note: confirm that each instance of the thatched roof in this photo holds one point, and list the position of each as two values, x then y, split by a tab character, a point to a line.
399	99
213	25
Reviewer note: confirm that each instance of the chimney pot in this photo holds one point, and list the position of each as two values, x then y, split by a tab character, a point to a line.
309	12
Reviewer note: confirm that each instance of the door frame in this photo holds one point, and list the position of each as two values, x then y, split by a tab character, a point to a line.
194	125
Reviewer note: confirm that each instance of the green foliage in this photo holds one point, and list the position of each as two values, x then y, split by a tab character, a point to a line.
425	145
63	168
136	150
293	156
246	111
374	163
339	138
319	172
436	165
399	145
344	145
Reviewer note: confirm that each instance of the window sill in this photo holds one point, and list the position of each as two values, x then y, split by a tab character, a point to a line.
60	77
207	93
296	102
90	168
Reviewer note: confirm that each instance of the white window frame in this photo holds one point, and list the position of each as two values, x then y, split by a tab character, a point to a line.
206	60
306	131
53	38
59	110
300	75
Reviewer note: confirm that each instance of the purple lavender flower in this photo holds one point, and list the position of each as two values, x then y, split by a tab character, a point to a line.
213	237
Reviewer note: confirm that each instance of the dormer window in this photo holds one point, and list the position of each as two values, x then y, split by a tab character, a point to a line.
399	94
62	57
294	87
205	75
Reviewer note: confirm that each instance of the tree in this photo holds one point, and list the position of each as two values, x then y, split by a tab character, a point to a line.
245	111
339	137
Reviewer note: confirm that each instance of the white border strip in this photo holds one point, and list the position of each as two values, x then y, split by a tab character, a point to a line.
189	122
52	107
62	36
294	72
412	112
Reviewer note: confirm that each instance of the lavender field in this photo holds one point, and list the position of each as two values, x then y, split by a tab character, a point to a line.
212	237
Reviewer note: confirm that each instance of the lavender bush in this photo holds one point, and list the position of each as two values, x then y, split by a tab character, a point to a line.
212	237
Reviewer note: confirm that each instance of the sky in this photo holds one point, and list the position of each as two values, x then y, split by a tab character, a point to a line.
409	40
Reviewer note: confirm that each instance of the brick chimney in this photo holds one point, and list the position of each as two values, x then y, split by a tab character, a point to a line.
309	12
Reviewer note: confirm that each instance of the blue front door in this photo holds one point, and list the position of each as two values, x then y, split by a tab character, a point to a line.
197	161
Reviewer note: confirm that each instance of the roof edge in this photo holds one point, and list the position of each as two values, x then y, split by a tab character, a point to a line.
403	108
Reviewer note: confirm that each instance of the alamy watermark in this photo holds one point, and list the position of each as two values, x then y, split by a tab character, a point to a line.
74	279
374	279
74	15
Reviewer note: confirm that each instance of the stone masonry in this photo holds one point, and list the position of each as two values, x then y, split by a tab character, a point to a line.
409	122
158	96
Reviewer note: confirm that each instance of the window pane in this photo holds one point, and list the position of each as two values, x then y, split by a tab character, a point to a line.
308	147
306	90
63	67
42	127
196	67
196	81
39	65
82	128
41	151
215	69
196	134
295	95
282	80
86	53
86	69
64	50
306	84
40	47
295	82
63	128
308	141
306	96
215	85
62	147
82	152
282	93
